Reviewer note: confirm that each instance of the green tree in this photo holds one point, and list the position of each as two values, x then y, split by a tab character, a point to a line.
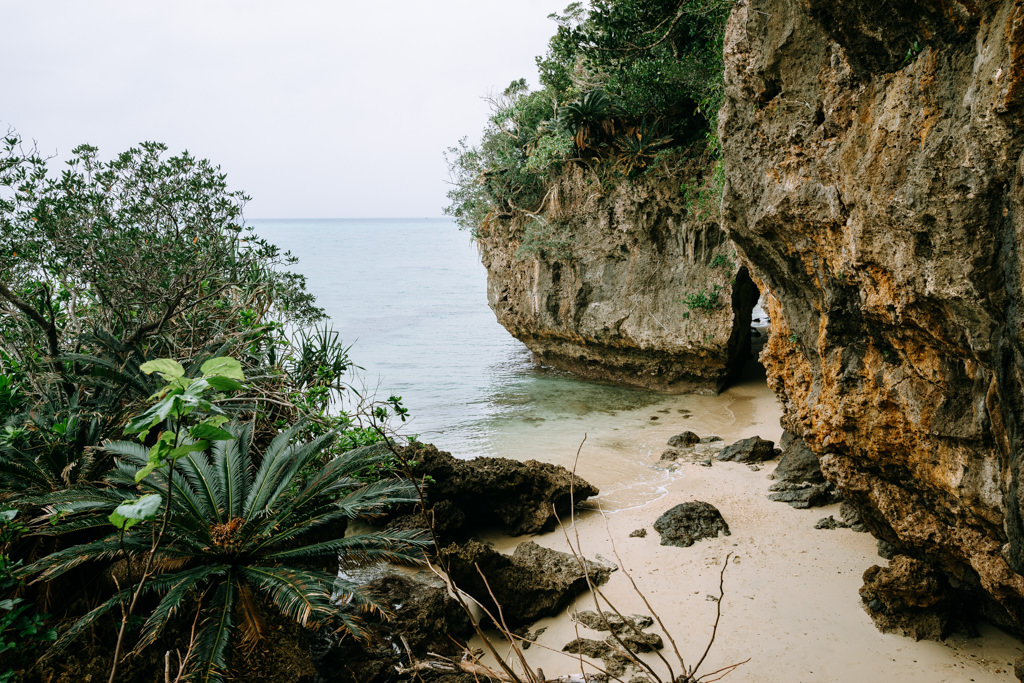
147	250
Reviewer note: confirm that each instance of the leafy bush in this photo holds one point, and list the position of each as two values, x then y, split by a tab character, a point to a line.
705	299
621	80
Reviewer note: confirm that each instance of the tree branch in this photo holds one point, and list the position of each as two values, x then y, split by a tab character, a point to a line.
52	341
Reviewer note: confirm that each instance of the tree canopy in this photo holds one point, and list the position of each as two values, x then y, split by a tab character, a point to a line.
624	82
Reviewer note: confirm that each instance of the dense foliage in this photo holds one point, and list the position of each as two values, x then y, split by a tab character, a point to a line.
135	301
624	82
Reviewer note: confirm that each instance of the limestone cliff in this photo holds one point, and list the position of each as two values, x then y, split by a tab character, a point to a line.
875	186
619	282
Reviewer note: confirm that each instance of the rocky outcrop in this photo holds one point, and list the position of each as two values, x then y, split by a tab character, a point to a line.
875	187
468	496
425	619
533	582
621	282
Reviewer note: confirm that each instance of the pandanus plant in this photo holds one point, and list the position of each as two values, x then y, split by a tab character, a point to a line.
235	526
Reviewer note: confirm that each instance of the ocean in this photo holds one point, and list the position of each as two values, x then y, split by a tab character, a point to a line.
409	295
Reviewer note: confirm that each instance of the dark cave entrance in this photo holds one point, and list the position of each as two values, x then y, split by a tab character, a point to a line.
749	332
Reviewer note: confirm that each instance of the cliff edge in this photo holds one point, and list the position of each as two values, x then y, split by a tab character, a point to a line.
622	282
874	186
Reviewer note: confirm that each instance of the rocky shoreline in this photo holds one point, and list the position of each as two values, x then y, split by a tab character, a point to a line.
539	581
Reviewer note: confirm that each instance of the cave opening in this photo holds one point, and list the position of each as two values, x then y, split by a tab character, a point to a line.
749	332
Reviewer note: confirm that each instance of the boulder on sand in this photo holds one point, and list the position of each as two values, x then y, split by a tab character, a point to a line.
687	523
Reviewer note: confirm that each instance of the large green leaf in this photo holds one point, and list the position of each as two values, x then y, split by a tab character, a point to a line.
165	367
224	366
132	512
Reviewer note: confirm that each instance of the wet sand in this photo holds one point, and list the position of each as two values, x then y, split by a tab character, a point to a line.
791	604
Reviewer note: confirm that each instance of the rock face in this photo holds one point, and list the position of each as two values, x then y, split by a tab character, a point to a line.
424	615
875	187
622	284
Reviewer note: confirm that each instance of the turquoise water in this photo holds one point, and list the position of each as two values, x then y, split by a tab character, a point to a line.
410	296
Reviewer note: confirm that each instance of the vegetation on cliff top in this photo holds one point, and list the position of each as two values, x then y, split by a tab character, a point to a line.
624	83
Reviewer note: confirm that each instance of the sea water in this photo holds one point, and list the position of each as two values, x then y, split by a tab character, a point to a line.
410	297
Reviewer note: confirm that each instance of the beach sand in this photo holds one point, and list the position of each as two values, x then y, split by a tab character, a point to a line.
791	604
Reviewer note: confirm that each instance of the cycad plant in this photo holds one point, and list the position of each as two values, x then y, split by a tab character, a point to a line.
235	526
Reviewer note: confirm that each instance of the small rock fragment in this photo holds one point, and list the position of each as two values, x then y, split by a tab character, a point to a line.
638	533
684	440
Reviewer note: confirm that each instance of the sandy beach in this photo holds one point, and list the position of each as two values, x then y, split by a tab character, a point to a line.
791	604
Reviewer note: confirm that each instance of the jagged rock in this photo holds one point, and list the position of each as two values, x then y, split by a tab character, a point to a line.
798	477
1018	668
754	449
710	439
688	523
514	497
830	522
683	440
638	533
908	597
424	613
637	641
613	622
580	307
670	454
851	516
626	633
533	582
874	191
596	649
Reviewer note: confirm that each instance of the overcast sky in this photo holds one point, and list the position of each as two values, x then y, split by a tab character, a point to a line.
316	108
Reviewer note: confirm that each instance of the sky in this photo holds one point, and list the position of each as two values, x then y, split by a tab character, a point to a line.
315	108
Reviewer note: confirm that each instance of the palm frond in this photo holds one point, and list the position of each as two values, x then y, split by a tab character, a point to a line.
53	565
177	586
232	466
85	622
401	546
274	459
298	594
301	455
210	663
201	475
374	498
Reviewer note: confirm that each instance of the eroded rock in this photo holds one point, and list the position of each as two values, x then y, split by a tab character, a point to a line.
514	497
533	582
424	613
754	449
873	188
631	288
684	440
798	477
910	598
687	523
